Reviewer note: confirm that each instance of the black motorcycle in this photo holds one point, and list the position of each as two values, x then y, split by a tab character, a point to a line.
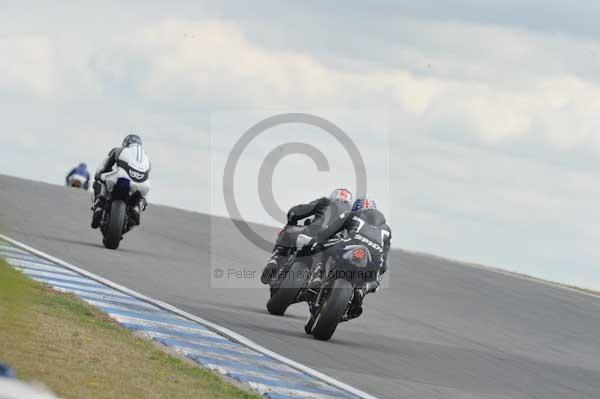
289	284
348	265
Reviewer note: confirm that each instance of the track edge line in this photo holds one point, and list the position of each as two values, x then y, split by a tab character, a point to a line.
210	325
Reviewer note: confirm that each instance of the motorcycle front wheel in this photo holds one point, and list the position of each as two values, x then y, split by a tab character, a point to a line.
114	230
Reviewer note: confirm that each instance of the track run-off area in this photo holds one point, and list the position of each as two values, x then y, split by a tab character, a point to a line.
441	330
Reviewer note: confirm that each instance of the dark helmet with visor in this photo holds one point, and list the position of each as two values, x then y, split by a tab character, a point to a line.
131	139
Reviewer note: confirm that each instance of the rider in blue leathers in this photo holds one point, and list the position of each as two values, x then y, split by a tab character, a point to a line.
80	170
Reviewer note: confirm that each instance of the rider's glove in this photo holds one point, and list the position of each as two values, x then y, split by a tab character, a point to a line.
316	247
303	241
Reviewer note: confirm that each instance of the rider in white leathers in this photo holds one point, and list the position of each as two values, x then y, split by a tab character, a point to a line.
128	161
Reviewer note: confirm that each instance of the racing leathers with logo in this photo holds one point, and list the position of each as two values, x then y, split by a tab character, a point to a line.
132	158
323	210
366	227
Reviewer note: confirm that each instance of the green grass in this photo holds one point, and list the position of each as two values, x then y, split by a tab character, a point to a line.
78	352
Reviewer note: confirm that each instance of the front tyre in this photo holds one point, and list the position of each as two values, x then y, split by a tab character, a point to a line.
116	221
288	290
332	310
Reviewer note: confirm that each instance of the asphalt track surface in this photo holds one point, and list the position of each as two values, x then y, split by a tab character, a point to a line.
441	330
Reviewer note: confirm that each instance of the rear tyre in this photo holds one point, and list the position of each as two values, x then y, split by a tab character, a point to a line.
288	290
332	310
116	221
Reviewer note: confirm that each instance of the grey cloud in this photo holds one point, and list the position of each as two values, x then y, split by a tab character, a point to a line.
495	106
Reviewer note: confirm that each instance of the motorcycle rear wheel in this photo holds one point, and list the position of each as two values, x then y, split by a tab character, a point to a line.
332	310
288	290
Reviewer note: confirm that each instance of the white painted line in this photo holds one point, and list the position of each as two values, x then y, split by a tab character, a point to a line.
210	325
7	248
201	339
106	291
257	374
104	297
40	268
124	307
23	256
271	366
173	328
263	389
27	264
210	354
212	347
162	324
230	346
50	275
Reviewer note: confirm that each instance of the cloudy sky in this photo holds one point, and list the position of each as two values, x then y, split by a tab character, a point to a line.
492	107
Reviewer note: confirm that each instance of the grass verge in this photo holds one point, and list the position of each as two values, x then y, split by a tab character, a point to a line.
79	352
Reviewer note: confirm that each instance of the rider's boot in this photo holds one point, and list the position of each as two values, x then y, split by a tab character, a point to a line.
136	210
98	210
308	326
270	270
135	215
314	286
356	304
359	295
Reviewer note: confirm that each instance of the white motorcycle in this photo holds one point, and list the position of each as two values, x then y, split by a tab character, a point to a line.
126	185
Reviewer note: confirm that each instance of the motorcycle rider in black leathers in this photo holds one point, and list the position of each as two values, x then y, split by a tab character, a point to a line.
323	210
364	225
114	158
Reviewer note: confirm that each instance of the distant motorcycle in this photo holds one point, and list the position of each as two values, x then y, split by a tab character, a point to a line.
125	185
78	177
76	180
